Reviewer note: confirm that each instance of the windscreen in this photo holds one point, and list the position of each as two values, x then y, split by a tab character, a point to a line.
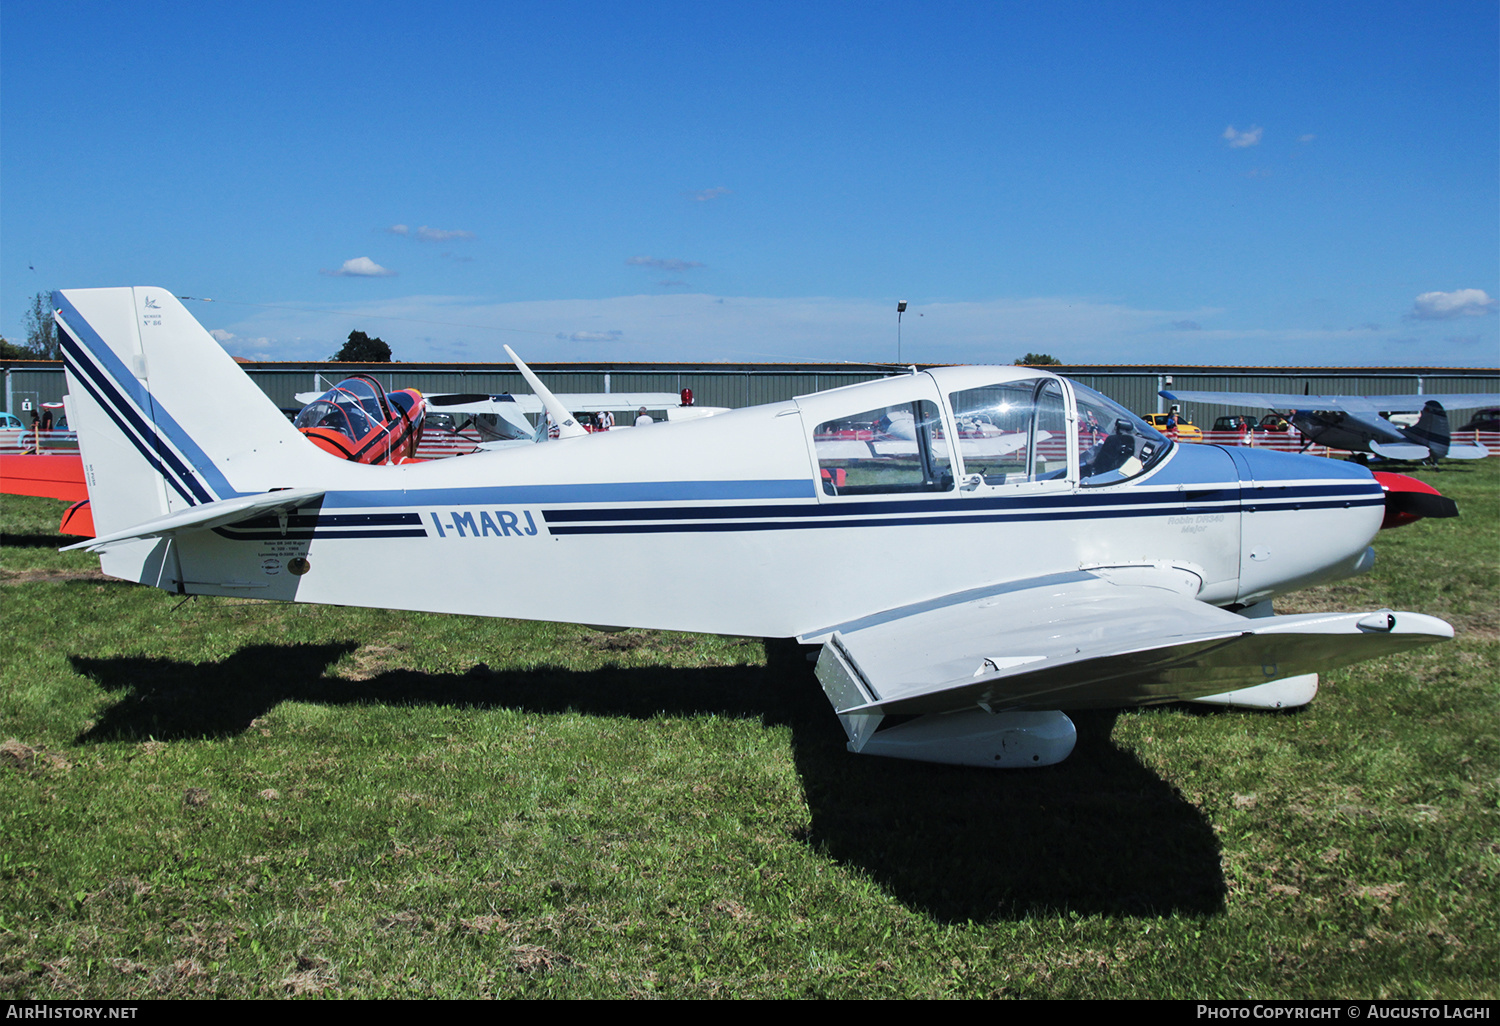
1113	443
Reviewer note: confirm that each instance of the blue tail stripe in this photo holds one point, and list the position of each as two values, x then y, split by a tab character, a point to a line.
164	421
125	429
139	432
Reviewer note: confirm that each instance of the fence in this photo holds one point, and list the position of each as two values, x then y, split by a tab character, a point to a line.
1293	441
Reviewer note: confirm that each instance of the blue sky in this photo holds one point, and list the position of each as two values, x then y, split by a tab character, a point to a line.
1134	182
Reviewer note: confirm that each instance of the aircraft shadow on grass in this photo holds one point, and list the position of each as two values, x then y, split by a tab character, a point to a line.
1097	834
35	541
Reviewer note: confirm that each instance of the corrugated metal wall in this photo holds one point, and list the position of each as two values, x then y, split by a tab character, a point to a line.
35	384
751	384
1354	382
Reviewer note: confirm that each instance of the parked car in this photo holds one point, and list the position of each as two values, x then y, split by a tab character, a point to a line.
1238	422
1487	419
1186	432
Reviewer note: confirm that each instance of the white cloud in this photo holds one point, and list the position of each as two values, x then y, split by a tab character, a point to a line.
700	327
245	348
663	264
591	336
1306	138
697	327
360	267
426	234
1239	140
1441	306
704	195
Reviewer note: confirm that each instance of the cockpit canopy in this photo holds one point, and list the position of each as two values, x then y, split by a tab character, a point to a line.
358	420
354	407
1009	428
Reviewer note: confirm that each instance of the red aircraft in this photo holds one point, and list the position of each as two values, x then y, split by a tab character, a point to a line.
358	420
355	420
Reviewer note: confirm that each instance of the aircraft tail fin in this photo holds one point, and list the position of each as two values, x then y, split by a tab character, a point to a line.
166	420
1431	429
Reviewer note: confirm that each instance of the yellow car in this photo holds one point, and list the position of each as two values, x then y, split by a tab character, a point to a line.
1186	432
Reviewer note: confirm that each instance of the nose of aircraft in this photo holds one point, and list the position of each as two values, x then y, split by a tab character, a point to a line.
1408	500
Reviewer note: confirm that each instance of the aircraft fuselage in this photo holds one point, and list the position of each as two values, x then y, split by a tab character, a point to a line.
746	539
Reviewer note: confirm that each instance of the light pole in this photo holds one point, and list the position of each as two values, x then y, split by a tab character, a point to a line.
900	309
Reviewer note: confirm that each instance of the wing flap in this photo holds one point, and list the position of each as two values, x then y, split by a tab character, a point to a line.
206	517
1091	643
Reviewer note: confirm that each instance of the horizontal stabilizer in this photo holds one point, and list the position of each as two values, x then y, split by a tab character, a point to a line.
207	516
1087	642
1467	452
1400	450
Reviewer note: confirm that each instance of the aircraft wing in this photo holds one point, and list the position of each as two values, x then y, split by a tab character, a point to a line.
577	402
1089	639
207	516
1366	404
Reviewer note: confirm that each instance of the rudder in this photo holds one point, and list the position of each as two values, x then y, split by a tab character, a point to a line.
1431	429
166	420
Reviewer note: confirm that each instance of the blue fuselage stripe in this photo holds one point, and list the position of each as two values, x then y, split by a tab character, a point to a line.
813	515
907	521
1158	501
275	534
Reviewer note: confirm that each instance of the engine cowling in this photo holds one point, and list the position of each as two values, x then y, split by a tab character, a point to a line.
1408	500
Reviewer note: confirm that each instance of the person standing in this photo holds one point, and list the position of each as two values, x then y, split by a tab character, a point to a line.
643	418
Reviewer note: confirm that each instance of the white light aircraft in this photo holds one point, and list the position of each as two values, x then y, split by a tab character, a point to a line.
501	419
1357	423
963	596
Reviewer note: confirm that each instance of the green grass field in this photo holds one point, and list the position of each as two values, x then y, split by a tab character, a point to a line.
225	798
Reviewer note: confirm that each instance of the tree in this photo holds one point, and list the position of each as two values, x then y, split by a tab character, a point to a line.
10	351
41	329
361	348
1038	360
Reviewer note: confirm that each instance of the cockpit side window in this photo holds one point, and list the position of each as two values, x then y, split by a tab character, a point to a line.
892	449
1013	432
1113	443
329	416
994	430
368	393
